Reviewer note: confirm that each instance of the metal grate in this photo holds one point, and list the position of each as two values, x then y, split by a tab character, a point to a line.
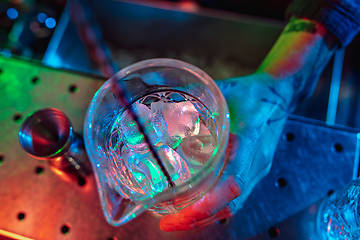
39	203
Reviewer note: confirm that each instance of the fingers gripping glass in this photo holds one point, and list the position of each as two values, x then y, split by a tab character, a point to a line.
156	135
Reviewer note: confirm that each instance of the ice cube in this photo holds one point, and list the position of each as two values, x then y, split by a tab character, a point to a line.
174	121
174	164
147	172
121	178
130	131
198	149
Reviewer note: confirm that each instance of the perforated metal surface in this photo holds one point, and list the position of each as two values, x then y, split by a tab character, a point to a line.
311	160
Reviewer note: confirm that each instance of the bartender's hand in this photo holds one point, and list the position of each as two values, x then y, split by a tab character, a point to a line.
257	116
259	105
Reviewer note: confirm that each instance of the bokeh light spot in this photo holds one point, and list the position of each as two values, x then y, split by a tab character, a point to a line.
6	52
12	13
50	22
41	17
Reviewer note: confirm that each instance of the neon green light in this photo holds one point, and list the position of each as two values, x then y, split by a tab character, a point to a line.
139	176
215	150
15	86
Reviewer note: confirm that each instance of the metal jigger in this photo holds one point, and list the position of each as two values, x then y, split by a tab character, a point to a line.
48	135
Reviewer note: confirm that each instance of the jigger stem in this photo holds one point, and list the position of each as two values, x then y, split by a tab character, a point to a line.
48	135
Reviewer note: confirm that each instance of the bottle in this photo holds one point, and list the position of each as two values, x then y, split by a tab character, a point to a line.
339	214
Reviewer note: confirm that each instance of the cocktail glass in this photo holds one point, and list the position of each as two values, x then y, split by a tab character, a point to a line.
186	122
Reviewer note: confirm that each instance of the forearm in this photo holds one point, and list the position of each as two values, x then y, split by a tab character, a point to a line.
297	59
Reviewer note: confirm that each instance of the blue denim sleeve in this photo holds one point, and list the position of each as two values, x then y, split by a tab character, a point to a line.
341	17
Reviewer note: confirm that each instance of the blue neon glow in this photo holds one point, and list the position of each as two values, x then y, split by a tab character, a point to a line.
50	22
12	13
56	61
6	52
41	17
